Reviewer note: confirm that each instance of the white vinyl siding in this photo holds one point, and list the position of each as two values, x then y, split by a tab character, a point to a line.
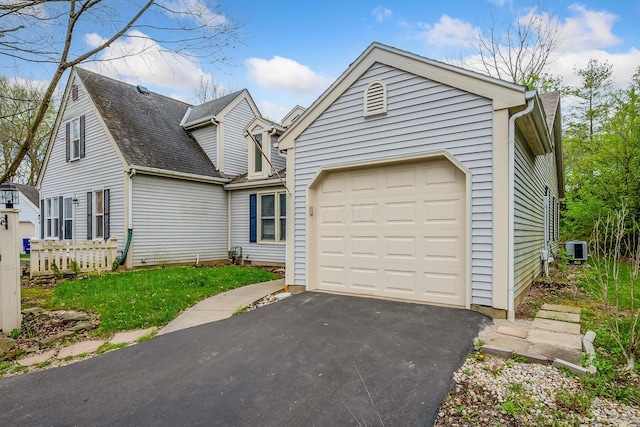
207	137
279	161
532	175
240	230
29	213
422	116
177	221
235	143
100	168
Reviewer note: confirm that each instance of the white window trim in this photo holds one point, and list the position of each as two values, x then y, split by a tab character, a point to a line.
50	229
74	143
266	148
68	216
276	218
96	215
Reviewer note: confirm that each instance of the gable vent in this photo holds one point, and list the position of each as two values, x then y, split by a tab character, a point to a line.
375	99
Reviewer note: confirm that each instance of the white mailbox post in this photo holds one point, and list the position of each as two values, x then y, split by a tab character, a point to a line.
10	317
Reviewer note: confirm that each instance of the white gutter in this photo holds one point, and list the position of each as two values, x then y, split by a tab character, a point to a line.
182	175
257	183
529	96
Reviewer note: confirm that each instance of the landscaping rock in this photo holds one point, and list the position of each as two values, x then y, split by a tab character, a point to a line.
38	358
130	336
70	316
79	348
6	345
56	337
82	325
33	310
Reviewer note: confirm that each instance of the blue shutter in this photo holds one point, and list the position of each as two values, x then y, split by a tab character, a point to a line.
67	139
89	214
253	218
82	152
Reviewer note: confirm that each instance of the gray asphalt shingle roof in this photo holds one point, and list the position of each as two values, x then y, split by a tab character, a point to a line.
550	105
146	126
26	190
208	110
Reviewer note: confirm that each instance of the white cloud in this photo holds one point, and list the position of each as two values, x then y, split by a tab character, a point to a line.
272	111
194	9
285	74
588	29
138	59
381	13
500	3
624	65
447	32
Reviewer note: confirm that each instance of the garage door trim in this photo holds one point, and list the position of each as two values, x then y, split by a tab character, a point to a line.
323	171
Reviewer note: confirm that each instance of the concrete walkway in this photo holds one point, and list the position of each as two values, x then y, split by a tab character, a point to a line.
222	306
214	308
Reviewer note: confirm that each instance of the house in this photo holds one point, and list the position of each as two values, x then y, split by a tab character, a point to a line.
421	181
25	198
176	183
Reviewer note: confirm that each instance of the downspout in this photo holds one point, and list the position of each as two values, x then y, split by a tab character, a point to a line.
529	96
125	252
216	122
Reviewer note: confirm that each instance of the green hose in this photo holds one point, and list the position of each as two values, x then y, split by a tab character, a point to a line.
126	247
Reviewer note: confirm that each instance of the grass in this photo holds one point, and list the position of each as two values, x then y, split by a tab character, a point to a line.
109	346
589	282
146	298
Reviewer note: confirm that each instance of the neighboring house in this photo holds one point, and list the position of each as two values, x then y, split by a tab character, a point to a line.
28	204
417	180
175	183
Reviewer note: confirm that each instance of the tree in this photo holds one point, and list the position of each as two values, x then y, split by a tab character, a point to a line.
209	90
18	103
519	50
606	176
48	33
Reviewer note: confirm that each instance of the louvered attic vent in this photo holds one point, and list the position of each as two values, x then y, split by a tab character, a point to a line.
375	99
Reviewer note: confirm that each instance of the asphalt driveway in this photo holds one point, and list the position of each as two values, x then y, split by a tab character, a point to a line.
312	359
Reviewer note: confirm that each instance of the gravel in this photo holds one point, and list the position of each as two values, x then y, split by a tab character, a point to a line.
489	391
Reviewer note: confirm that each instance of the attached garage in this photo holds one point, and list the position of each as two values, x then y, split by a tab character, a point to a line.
394	230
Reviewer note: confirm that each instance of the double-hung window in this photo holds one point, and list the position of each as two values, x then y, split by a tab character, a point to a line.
75	139
257	154
99	214
68	218
52	218
272	217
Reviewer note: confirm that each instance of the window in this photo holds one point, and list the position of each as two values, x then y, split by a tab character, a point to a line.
257	154
271	217
375	99
75	141
68	218
99	215
52	218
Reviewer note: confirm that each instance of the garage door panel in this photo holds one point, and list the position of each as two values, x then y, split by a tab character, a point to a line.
393	231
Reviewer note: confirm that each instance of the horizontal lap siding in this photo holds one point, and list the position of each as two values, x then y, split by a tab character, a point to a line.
174	221
423	116
235	144
207	138
532	173
100	169
240	230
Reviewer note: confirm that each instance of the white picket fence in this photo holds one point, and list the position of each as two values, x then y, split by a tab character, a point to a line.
51	257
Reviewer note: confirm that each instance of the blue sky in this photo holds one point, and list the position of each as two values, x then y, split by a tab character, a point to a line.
289	52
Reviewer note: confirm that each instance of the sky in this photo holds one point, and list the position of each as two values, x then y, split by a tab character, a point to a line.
288	53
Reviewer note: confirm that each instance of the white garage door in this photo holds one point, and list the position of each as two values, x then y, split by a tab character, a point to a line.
393	231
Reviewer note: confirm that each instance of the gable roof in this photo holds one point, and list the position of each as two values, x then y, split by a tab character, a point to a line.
208	110
146	126
503	94
550	103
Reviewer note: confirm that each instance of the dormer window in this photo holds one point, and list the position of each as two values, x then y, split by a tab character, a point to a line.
375	99
257	154
258	143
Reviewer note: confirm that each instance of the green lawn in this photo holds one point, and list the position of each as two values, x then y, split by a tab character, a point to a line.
145	298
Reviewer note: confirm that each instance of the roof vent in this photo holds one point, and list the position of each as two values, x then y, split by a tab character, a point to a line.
375	99
143	90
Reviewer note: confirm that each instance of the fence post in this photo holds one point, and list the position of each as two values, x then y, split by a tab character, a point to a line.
10	317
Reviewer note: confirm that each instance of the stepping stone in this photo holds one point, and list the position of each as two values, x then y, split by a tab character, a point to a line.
514	332
557	315
561	308
79	348
556	326
38	358
130	336
556	339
